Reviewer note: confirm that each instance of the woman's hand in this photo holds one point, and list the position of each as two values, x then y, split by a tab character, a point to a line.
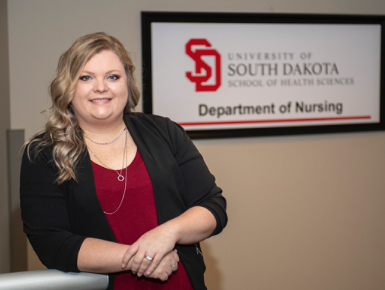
148	251
166	267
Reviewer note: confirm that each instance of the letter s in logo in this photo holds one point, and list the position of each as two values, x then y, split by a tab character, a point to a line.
200	65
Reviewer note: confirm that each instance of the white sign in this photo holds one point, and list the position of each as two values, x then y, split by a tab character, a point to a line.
209	76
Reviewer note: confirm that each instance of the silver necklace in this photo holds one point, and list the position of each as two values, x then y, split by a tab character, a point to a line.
124	178
124	194
120	176
107	143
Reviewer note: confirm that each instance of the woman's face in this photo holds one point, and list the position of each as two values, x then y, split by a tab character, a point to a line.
101	92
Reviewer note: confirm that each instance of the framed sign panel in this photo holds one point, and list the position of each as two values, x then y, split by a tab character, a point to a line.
234	75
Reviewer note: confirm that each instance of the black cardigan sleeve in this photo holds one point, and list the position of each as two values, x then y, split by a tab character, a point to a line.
45	213
200	183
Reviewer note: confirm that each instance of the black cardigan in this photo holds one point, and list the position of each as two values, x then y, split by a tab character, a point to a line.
57	218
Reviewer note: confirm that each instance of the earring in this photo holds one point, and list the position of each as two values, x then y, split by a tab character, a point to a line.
70	108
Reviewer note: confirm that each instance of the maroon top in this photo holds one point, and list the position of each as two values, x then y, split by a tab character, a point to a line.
136	216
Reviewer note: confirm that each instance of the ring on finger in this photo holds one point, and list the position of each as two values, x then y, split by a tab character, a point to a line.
148	258
174	266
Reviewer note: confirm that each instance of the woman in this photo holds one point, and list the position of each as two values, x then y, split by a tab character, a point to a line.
106	190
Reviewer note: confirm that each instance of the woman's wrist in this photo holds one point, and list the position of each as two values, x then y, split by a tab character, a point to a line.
100	256
174	230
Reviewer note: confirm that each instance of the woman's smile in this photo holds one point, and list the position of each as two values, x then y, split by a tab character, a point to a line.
100	101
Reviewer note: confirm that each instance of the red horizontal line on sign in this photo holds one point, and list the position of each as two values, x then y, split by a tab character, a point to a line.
274	121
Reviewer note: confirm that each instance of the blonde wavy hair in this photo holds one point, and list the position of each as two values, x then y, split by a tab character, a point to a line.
62	132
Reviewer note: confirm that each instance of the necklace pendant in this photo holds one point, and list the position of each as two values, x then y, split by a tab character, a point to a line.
120	177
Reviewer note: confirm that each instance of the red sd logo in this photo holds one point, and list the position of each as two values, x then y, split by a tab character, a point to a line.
200	76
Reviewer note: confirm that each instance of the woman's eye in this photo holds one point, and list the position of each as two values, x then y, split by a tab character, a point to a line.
85	78
113	77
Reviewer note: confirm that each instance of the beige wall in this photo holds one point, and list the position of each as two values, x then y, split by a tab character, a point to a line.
305	212
4	125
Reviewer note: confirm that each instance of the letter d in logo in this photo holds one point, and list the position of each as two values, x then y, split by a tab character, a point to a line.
200	65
